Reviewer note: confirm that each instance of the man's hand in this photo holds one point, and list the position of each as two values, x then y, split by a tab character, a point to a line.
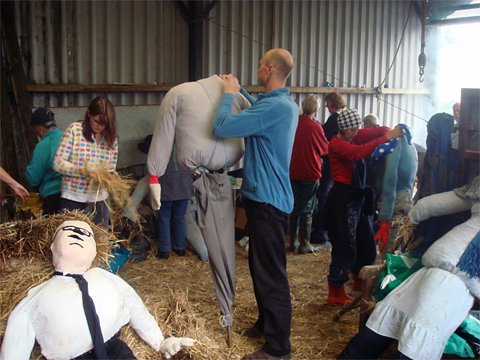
230	83
172	345
382	234
155	192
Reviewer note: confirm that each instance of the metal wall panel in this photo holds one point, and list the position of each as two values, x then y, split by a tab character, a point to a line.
339	43
343	43
102	42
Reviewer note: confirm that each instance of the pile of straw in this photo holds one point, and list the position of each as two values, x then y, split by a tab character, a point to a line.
118	187
404	235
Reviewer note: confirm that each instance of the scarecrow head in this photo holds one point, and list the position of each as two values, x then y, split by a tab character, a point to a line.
73	247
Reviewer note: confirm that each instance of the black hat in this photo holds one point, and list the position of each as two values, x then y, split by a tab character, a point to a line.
43	116
145	145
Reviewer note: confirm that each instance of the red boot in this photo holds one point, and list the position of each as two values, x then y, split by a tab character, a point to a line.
337	295
356	283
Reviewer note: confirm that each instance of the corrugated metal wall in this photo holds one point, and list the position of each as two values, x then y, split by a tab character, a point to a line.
344	43
102	42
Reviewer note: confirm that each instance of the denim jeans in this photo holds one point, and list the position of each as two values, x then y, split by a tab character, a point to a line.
99	210
171	220
304	204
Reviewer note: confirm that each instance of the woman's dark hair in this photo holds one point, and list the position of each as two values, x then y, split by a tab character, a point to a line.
103	107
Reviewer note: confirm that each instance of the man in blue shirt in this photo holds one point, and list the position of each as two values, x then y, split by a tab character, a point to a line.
39	171
269	128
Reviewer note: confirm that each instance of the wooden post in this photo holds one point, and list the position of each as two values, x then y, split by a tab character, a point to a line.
23	103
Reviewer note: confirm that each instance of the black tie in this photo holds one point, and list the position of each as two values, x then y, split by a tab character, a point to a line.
91	315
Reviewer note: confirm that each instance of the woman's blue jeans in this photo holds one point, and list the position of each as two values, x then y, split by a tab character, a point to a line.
171	225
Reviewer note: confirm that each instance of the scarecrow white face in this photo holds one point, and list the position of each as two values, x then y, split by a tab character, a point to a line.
73	247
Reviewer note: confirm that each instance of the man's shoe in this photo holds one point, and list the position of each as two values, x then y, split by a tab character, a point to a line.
163	254
180	252
251	333
262	355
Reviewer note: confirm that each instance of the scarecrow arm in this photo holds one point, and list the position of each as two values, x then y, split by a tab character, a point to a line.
389	187
163	135
141	320
19	335
437	205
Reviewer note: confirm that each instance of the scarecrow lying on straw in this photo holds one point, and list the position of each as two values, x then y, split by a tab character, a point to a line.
80	310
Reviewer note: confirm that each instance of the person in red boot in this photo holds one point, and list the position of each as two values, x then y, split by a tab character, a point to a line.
349	223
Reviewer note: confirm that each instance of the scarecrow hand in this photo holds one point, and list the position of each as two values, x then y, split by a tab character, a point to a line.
172	345
155	192
382	234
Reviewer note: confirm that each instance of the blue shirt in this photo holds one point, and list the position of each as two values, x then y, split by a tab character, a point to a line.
269	128
39	171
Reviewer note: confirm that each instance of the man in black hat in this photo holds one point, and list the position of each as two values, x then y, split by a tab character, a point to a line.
39	171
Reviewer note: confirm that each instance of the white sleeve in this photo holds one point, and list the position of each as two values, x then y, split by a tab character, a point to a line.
19	335
140	319
437	205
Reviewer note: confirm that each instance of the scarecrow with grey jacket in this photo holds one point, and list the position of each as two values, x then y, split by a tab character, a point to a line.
184	126
349	224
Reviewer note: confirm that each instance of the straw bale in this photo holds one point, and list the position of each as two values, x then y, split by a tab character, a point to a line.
32	238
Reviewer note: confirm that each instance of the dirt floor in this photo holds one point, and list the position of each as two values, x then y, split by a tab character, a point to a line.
179	292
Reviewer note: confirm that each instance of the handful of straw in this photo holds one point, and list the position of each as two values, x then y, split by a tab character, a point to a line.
118	187
32	203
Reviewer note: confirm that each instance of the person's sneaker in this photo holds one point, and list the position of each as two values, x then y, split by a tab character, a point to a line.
163	254
180	252
251	333
262	355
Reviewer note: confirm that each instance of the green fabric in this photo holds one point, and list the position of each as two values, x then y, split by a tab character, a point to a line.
465	341
456	345
397	269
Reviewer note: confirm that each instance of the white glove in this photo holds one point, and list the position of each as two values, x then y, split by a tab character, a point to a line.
155	192
172	345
